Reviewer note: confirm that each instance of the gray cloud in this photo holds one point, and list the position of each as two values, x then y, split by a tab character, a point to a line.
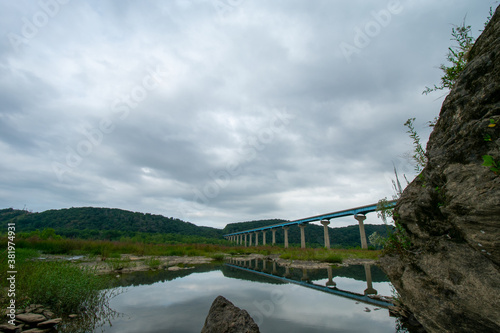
215	116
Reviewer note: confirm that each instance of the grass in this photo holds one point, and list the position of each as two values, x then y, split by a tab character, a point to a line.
218	257
112	250
60	285
331	256
153	263
119	264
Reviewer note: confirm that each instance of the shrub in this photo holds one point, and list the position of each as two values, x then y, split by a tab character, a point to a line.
334	258
218	257
62	286
153	262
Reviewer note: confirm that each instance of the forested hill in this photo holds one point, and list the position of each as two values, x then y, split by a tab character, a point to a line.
116	224
107	222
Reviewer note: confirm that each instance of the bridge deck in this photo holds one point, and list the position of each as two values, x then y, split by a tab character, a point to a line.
347	212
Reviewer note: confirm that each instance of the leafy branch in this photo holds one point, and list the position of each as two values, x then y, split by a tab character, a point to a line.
457	55
419	156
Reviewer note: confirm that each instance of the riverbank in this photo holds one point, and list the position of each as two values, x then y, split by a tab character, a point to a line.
129	263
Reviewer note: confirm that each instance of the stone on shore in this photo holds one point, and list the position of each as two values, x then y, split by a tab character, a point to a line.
31	318
8	328
49	323
224	317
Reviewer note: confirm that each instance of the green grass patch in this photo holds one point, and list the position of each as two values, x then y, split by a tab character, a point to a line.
218	256
153	263
331	256
62	286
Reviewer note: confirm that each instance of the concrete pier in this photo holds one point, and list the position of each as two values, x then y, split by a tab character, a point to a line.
305	276
325	224
256	238
274	236
369	287
250	242
285	229
245	236
302	235
330	282
263	237
361	218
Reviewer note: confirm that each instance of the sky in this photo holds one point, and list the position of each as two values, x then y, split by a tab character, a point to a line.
217	111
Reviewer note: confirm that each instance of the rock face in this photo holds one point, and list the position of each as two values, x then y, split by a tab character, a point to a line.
224	317
450	276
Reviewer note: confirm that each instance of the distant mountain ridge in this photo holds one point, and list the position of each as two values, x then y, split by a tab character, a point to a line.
113	224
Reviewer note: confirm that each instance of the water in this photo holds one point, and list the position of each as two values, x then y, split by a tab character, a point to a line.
179	301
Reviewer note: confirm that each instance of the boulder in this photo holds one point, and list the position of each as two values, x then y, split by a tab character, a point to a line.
449	277
8	328
224	317
49	323
36	330
31	318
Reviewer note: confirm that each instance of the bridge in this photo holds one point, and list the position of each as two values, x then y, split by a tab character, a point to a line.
330	287
359	213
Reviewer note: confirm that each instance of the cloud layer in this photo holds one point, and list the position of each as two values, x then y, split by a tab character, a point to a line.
216	111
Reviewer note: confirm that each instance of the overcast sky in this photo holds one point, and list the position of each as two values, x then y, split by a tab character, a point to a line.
217	111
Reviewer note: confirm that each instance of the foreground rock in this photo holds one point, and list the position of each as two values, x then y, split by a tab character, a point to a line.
450	276
224	317
33	319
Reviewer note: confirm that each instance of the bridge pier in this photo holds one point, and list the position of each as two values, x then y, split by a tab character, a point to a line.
250	235
302	235
285	229
256	238
330	281
241	239
274	236
263	237
325	224
361	218
369	286
245	236
305	277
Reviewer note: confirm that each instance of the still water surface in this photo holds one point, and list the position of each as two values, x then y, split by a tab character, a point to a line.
179	301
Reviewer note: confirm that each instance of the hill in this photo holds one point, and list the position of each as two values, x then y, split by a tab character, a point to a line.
117	224
102	223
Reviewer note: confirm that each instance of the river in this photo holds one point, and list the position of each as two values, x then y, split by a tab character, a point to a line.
278	299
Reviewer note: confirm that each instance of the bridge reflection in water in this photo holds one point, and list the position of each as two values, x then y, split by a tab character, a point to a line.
301	276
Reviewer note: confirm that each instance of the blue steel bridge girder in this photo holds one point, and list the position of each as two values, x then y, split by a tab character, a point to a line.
348	212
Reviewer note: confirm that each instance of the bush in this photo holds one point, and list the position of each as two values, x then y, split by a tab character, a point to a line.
62	286
218	257
334	258
153	262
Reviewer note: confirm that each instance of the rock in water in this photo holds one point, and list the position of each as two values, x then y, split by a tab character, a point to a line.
450	276
224	317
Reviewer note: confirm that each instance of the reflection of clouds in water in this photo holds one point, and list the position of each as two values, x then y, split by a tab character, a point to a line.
320	311
181	305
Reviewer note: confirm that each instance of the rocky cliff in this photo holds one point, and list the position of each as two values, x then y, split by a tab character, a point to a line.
450	275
